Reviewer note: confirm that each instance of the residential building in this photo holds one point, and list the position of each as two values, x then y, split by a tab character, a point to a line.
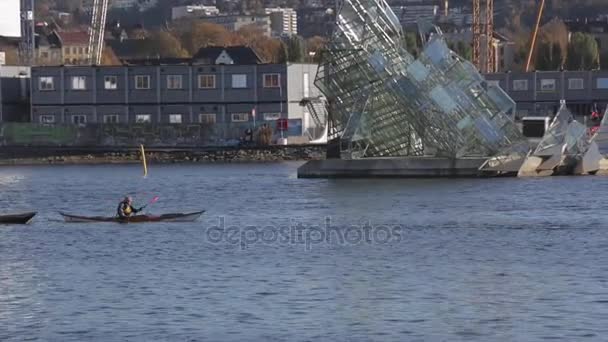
48	49
235	22
231	96
283	21
75	47
193	11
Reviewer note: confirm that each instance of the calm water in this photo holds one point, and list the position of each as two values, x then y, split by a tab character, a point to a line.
276	258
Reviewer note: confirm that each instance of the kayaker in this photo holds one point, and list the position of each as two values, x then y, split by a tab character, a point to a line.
126	209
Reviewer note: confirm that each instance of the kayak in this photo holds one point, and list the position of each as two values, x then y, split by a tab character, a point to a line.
17	218
188	217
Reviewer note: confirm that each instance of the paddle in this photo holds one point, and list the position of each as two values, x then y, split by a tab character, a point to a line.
152	201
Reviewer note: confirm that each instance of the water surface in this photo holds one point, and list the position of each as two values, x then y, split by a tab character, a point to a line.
303	260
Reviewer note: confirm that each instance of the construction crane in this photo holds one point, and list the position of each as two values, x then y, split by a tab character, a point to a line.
483	58
97	30
535	35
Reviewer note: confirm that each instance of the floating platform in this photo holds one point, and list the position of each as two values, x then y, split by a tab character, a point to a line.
404	167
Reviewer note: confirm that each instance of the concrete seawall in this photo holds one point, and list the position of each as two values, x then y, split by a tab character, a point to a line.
406	167
96	155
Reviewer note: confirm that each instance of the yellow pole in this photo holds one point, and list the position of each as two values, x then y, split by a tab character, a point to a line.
143	160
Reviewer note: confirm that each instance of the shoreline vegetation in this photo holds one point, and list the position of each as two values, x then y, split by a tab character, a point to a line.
67	156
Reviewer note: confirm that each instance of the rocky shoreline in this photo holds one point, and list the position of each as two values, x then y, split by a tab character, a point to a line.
168	156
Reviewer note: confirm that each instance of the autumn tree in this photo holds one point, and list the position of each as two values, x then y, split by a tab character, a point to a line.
583	52
315	47
552	46
164	45
108	57
267	48
201	35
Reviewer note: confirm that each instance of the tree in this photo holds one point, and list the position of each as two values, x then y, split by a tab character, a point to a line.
464	50
549	56
583	52
201	35
164	45
295	49
108	57
269	50
314	47
411	43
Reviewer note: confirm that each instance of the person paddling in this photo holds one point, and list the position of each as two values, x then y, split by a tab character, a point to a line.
126	209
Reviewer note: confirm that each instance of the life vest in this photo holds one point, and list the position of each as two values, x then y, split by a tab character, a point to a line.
127	210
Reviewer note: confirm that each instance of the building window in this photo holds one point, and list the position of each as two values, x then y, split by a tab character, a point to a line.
576	84
239	81
306	85
143	118
45	83
79	119
206	81
111	119
175	118
272	116
174	81
272	80
602	83
207	119
142	82
520	85
547	85
494	83
47	119
110	82
240	117
66	50
79	83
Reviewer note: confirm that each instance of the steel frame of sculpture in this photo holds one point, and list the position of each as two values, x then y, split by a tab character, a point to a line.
385	102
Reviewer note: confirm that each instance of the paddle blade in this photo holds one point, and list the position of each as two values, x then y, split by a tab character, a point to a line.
154	200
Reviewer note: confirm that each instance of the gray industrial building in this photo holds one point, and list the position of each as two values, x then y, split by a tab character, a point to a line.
14	93
539	93
173	94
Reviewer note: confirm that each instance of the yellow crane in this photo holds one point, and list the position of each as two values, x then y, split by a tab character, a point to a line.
535	35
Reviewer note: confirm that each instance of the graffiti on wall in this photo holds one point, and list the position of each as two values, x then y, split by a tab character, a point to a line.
29	134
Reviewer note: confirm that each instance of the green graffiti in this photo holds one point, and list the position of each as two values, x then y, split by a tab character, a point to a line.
35	134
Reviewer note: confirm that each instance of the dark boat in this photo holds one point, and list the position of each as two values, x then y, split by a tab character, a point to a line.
17	218
188	217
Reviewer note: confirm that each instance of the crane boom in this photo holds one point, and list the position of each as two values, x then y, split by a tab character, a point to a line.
97	30
535	35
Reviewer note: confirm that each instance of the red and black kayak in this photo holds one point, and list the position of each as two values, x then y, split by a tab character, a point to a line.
178	217
24	218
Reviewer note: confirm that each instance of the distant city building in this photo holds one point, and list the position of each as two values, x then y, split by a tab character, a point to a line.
87	5
194	11
283	21
235	22
410	14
